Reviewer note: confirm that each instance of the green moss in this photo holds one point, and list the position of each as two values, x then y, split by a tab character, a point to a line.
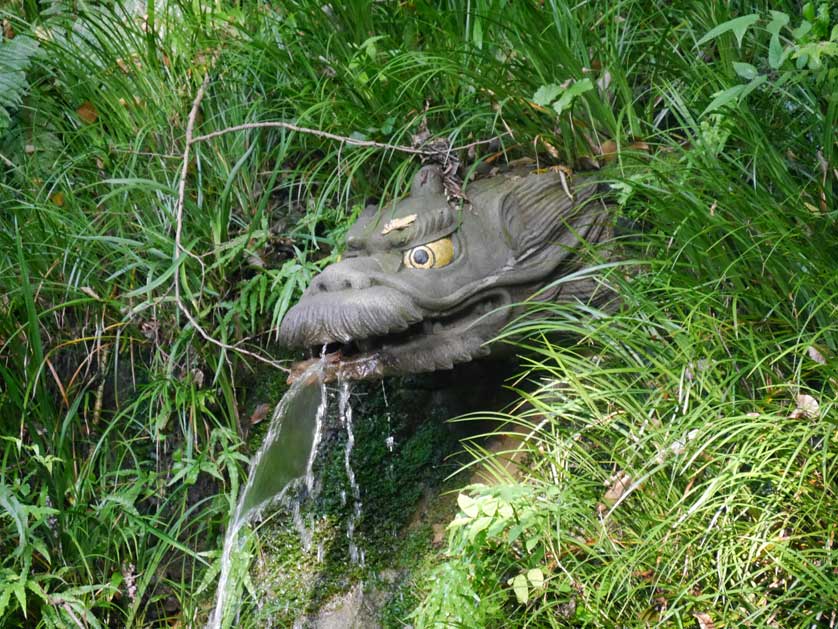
400	458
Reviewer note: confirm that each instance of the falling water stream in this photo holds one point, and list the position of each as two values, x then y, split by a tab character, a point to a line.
345	410
287	456
287	453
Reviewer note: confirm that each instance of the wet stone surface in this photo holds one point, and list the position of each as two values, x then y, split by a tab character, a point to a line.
400	459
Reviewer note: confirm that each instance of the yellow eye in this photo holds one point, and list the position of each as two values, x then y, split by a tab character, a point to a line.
432	255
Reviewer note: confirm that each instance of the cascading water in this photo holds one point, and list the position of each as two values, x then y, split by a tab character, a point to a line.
390	441
345	410
287	453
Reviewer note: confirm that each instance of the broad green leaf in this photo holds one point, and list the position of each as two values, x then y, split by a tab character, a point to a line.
35	587
458	522
776	54
497	528
745	70
750	87
15	58
816	50
479	525
536	577
724	98
490	506
801	31
778	21
577	89
468	505
531	543
40	547
738	25
5	595
801	60
19	589
519	586
563	586
505	510
546	94
10	503
477	33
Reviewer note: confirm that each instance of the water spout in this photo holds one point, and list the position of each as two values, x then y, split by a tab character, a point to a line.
287	453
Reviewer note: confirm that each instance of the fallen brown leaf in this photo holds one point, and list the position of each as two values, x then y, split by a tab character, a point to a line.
87	112
90	292
58	199
640	145
805	406
815	355
608	150
704	621
551	150
259	413
8	31
619	484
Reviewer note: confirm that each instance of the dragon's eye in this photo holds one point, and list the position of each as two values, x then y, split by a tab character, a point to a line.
432	255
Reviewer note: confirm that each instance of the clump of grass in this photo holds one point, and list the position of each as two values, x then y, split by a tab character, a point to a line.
678	454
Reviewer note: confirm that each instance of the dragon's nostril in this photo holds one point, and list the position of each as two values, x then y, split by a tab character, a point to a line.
347	284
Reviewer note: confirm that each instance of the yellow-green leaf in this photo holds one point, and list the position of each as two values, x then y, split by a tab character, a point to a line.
519	586
536	577
468	505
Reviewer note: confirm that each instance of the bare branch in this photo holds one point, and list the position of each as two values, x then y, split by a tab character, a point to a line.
316	132
343	139
181	197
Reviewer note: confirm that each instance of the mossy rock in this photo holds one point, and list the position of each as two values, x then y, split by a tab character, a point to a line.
404	450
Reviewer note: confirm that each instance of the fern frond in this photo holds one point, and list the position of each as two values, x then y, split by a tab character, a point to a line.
15	58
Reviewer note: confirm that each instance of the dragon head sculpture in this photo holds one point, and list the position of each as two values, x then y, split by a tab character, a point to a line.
422	286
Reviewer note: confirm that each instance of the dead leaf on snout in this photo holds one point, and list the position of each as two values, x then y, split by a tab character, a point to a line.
398	223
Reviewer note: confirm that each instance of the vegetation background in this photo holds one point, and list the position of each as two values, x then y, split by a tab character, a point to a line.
683	449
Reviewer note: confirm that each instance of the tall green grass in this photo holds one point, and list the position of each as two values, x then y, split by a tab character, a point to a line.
677	457
123	439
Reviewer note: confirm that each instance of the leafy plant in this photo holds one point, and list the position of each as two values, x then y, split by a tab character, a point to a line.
794	53
16	55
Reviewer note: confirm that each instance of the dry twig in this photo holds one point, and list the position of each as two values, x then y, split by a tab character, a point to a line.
181	197
421	150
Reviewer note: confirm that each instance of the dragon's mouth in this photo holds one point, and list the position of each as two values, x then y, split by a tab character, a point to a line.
434	342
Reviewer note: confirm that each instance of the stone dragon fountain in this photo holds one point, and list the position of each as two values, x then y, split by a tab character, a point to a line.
423	286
